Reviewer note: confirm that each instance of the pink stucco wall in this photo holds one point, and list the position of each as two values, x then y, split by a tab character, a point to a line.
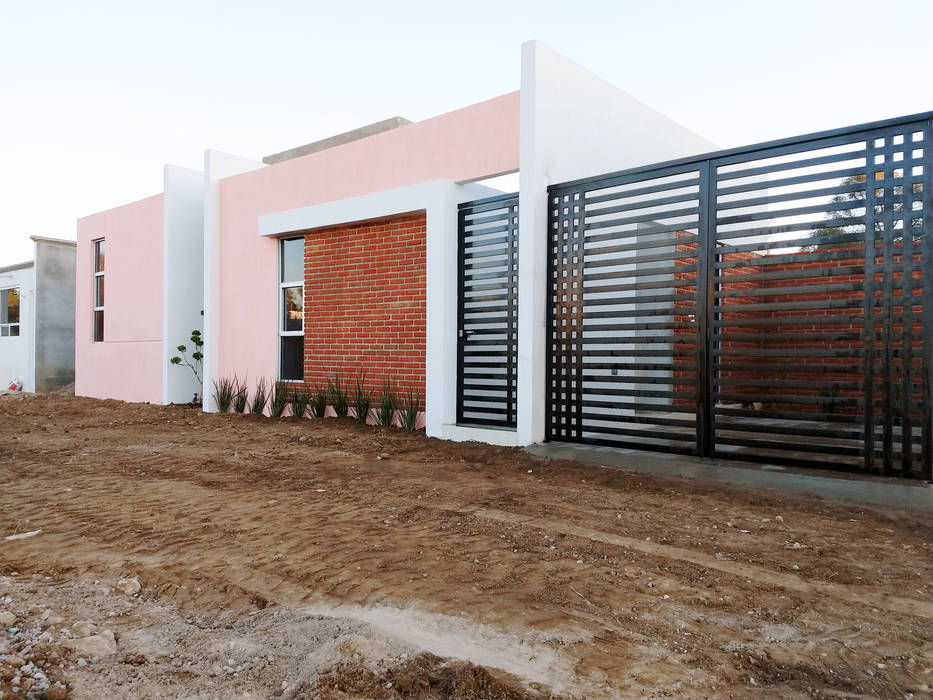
476	142
128	364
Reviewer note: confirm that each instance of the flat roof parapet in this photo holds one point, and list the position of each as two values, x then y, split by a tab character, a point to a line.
338	140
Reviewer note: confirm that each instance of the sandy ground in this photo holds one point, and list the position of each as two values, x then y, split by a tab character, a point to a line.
321	559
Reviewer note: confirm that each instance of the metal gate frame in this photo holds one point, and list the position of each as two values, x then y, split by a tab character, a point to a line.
487	252
567	213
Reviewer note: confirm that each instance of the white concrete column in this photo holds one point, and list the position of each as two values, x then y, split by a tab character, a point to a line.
182	276
217	165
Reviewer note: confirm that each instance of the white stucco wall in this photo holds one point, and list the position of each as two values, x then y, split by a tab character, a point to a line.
573	125
17	354
183	276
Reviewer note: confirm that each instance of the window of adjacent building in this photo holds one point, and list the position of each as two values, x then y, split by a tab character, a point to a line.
291	309
9	312
98	291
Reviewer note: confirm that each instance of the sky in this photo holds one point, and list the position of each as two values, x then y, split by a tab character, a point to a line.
95	97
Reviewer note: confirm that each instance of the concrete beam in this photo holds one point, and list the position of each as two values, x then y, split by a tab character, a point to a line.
338	140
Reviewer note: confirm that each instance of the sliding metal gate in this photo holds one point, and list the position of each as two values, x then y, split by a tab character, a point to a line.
770	303
487	345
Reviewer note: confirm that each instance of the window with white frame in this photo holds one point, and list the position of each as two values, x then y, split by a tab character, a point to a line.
9	312
98	291
291	309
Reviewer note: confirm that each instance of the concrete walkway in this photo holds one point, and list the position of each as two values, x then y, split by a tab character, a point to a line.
854	488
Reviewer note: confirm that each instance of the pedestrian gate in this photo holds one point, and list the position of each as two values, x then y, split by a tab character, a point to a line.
770	303
487	346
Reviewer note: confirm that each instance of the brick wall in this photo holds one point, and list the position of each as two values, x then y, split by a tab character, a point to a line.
365	303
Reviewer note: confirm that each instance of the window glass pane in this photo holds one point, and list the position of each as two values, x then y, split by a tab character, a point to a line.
14	330
292	307
292	356
99	294
98	326
4	331
293	260
99	256
9	306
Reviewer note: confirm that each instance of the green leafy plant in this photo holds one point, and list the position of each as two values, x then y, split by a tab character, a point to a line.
239	396
362	399
300	401
319	402
385	413
408	415
339	398
279	399
260	397
194	363
224	391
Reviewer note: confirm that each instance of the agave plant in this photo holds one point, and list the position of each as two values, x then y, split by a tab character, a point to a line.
224	392
300	400
319	402
239	396
337	393
260	398
408	415
385	413
279	399
362	399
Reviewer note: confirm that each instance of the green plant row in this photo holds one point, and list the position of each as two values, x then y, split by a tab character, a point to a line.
232	393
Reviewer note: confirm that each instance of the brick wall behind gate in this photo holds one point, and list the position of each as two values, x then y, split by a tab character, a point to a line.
365	303
811	273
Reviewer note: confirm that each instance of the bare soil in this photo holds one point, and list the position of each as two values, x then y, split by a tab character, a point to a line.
323	559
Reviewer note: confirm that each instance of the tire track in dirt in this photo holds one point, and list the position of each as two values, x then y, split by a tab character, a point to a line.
186	509
904	606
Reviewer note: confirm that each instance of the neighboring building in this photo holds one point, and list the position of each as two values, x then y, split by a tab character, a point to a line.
138	293
37	317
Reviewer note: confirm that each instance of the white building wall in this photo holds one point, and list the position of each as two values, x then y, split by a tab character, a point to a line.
17	354
183	275
573	125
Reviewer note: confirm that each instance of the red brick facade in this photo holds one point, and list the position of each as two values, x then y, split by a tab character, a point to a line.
365	303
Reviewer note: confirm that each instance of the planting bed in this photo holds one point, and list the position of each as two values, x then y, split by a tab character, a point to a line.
324	559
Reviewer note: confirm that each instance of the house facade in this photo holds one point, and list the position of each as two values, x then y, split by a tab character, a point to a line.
37	312
356	241
640	289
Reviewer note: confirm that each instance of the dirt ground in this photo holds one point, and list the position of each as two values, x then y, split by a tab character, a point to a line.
322	559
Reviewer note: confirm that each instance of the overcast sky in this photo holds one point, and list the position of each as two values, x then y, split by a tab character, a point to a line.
97	96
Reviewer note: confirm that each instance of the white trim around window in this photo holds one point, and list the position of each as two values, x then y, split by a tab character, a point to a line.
10	328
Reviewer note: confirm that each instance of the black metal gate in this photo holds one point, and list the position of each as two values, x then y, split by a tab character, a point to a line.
487	347
770	303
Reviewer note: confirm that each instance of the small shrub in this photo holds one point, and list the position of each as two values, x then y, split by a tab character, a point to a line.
279	399
337	393
239	396
408	415
362	400
260	398
385	414
194	363
319	402
224	392
300	400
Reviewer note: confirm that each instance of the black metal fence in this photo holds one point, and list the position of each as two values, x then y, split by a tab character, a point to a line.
487	345
770	303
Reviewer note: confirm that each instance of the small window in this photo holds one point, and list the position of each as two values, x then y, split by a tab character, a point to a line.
9	312
98	313
291	305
